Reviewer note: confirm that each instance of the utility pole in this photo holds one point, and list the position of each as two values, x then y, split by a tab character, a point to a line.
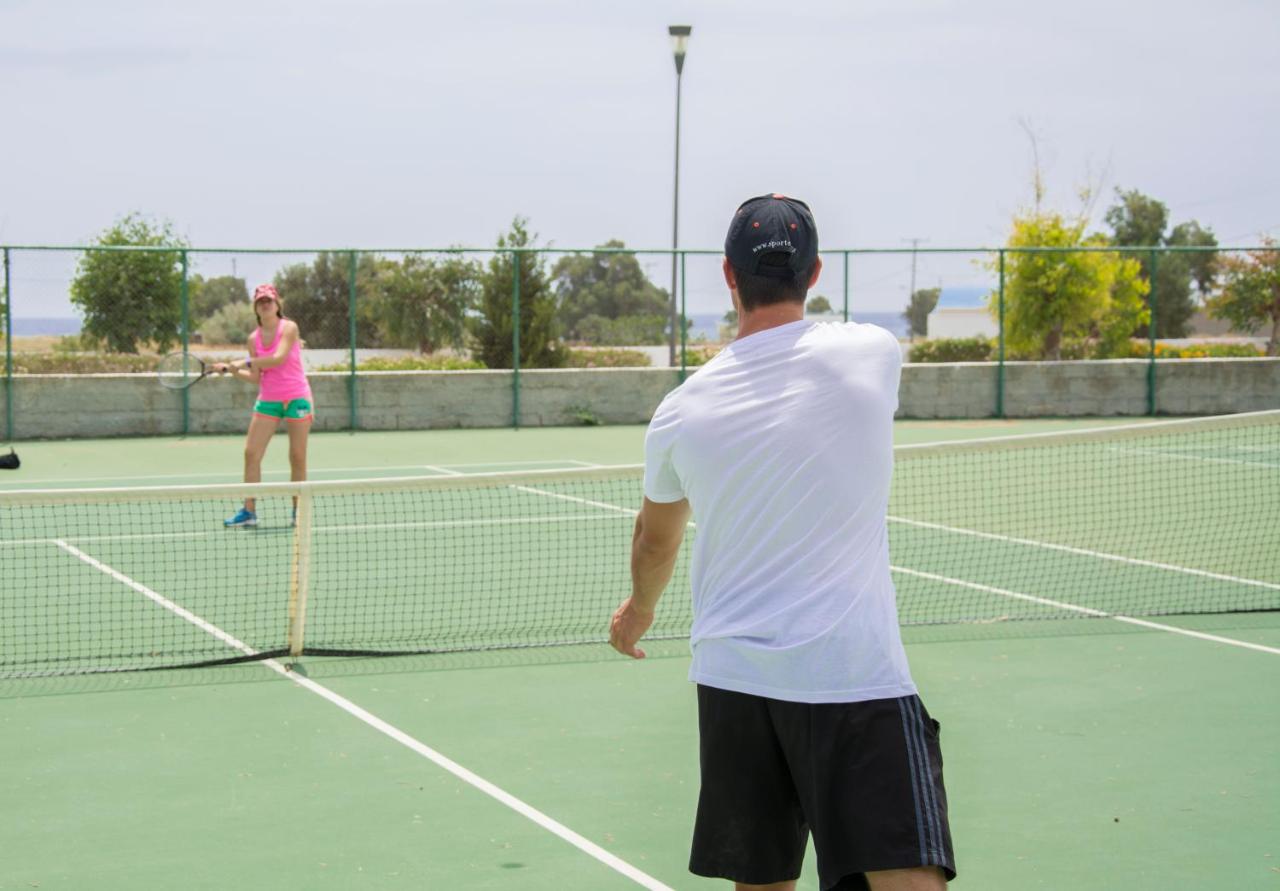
915	244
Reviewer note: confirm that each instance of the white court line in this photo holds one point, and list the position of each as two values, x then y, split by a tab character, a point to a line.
1177	456
1086	611
601	504
354	527
525	810
441	469
1100	555
1083	610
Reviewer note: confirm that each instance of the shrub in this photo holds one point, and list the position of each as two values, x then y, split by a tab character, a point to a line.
82	363
231	324
1138	350
701	354
607	358
953	349
409	363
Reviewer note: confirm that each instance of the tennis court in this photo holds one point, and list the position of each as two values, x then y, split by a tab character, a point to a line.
1092	616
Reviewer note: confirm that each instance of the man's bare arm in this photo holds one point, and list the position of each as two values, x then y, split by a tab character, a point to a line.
654	547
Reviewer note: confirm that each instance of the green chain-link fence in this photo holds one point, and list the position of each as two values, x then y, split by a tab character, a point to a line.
520	308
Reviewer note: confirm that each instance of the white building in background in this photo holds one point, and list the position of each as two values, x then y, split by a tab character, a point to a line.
962	312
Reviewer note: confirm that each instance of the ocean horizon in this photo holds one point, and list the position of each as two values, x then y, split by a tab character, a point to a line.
46	327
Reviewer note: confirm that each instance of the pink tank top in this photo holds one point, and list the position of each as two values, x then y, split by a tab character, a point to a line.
284	382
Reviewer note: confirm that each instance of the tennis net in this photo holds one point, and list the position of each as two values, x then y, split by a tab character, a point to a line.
1150	519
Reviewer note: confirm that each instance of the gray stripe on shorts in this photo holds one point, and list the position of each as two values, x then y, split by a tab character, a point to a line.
909	738
930	794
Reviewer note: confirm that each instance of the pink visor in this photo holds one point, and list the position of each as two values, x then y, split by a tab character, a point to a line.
266	292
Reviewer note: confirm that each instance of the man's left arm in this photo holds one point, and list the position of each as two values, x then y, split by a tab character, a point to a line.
655	545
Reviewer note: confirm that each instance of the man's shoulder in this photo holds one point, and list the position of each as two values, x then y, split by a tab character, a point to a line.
859	335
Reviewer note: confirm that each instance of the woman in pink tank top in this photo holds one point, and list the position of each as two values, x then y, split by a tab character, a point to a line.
275	365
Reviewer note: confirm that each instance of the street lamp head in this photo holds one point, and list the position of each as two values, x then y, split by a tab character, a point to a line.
679	41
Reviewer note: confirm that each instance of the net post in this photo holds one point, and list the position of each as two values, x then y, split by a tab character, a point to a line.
186	342
515	339
684	322
846	286
1000	342
1151	334
300	577
8	351
354	419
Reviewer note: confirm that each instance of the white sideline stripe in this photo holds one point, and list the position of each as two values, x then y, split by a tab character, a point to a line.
532	491
363	527
1176	456
162	601
1087	611
1100	555
478	782
441	469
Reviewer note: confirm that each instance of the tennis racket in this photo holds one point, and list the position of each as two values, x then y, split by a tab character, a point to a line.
180	370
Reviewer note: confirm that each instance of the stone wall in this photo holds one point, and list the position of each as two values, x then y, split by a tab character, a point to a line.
58	406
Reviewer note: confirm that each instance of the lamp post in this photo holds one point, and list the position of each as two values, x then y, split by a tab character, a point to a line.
679	42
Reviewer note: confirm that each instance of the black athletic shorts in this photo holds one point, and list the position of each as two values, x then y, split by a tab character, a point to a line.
864	777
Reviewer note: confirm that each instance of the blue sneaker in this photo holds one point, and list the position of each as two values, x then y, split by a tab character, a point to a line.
242	518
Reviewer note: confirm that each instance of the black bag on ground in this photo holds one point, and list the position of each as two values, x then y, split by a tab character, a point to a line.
10	461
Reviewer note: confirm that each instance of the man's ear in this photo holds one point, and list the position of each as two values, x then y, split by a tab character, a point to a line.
729	278
817	269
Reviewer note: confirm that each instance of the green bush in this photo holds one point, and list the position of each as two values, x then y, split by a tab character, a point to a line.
953	349
622	331
607	358
82	363
1138	349
409	363
231	324
700	354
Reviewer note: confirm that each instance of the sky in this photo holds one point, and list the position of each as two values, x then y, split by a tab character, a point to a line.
389	123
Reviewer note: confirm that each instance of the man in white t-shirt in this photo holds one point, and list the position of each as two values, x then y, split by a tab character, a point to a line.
781	447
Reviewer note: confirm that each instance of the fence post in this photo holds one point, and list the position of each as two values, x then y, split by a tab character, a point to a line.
515	339
846	286
1151	335
684	322
8	352
1000	343
186	345
354	419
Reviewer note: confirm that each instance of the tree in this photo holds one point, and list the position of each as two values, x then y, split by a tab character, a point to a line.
923	302
130	298
232	324
206	296
1250	294
318	298
1138	220
1201	264
423	302
818	305
1051	296
604	287
493	326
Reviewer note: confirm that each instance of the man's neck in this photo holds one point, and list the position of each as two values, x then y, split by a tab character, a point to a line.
763	318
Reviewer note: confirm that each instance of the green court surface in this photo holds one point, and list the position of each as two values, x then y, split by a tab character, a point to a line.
1080	752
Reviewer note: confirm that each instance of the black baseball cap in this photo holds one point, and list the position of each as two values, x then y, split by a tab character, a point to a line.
772	224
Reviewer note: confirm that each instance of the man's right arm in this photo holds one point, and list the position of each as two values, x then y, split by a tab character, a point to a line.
655	545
